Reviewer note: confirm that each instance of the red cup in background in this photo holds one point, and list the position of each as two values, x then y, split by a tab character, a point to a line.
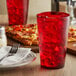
17	11
53	35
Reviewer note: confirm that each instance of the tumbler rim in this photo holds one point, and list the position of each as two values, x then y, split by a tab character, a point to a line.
52	15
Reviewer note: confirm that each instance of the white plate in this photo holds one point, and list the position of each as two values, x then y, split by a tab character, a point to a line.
30	58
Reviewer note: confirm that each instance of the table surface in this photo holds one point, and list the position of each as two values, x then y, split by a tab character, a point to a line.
34	69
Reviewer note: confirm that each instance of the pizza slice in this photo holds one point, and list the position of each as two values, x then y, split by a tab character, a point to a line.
72	34
25	34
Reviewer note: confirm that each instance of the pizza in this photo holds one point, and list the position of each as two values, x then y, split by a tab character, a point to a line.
28	34
25	34
72	34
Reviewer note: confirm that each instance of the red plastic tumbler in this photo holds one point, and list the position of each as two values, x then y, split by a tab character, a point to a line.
17	11
53	35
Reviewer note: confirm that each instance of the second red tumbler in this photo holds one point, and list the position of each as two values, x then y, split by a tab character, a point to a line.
17	11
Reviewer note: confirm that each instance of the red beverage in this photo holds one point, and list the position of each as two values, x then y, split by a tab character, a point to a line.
53	33
17	11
